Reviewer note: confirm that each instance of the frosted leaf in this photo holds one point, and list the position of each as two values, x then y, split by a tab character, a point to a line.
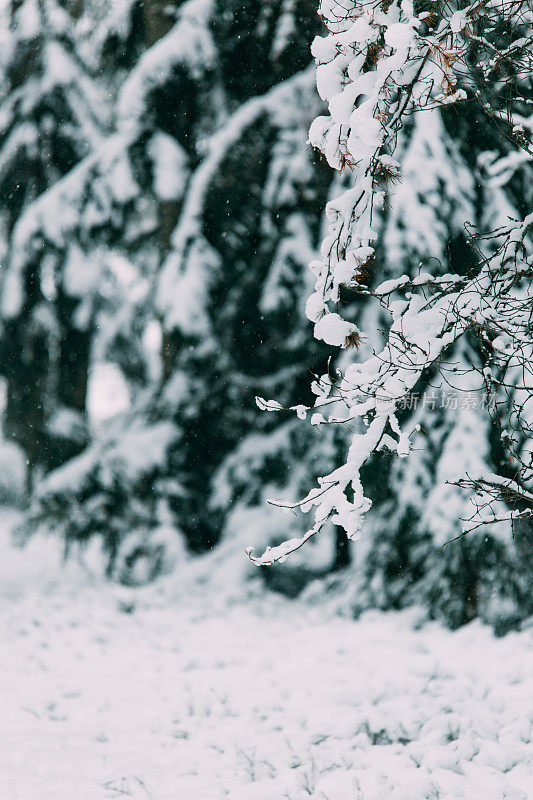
333	330
301	411
279	553
268	405
387	287
315	307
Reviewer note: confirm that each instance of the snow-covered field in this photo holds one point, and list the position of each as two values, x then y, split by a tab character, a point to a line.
270	701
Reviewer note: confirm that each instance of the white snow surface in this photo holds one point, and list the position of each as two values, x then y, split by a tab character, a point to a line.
109	693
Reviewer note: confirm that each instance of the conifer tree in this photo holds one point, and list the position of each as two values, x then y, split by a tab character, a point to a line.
231	292
51	118
233	174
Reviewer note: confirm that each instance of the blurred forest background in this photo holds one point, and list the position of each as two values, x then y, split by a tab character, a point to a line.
159	206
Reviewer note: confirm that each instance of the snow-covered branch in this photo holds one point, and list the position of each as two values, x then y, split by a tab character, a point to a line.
378	64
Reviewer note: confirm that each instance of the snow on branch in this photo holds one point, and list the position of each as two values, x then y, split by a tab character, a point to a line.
379	63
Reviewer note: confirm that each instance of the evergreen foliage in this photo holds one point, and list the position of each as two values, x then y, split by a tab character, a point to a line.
51	118
156	181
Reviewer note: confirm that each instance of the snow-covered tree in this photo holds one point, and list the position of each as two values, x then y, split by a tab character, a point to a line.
451	246
231	293
228	168
51	116
107	222
188	220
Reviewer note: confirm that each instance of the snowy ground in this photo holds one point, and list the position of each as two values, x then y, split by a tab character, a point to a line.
270	702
